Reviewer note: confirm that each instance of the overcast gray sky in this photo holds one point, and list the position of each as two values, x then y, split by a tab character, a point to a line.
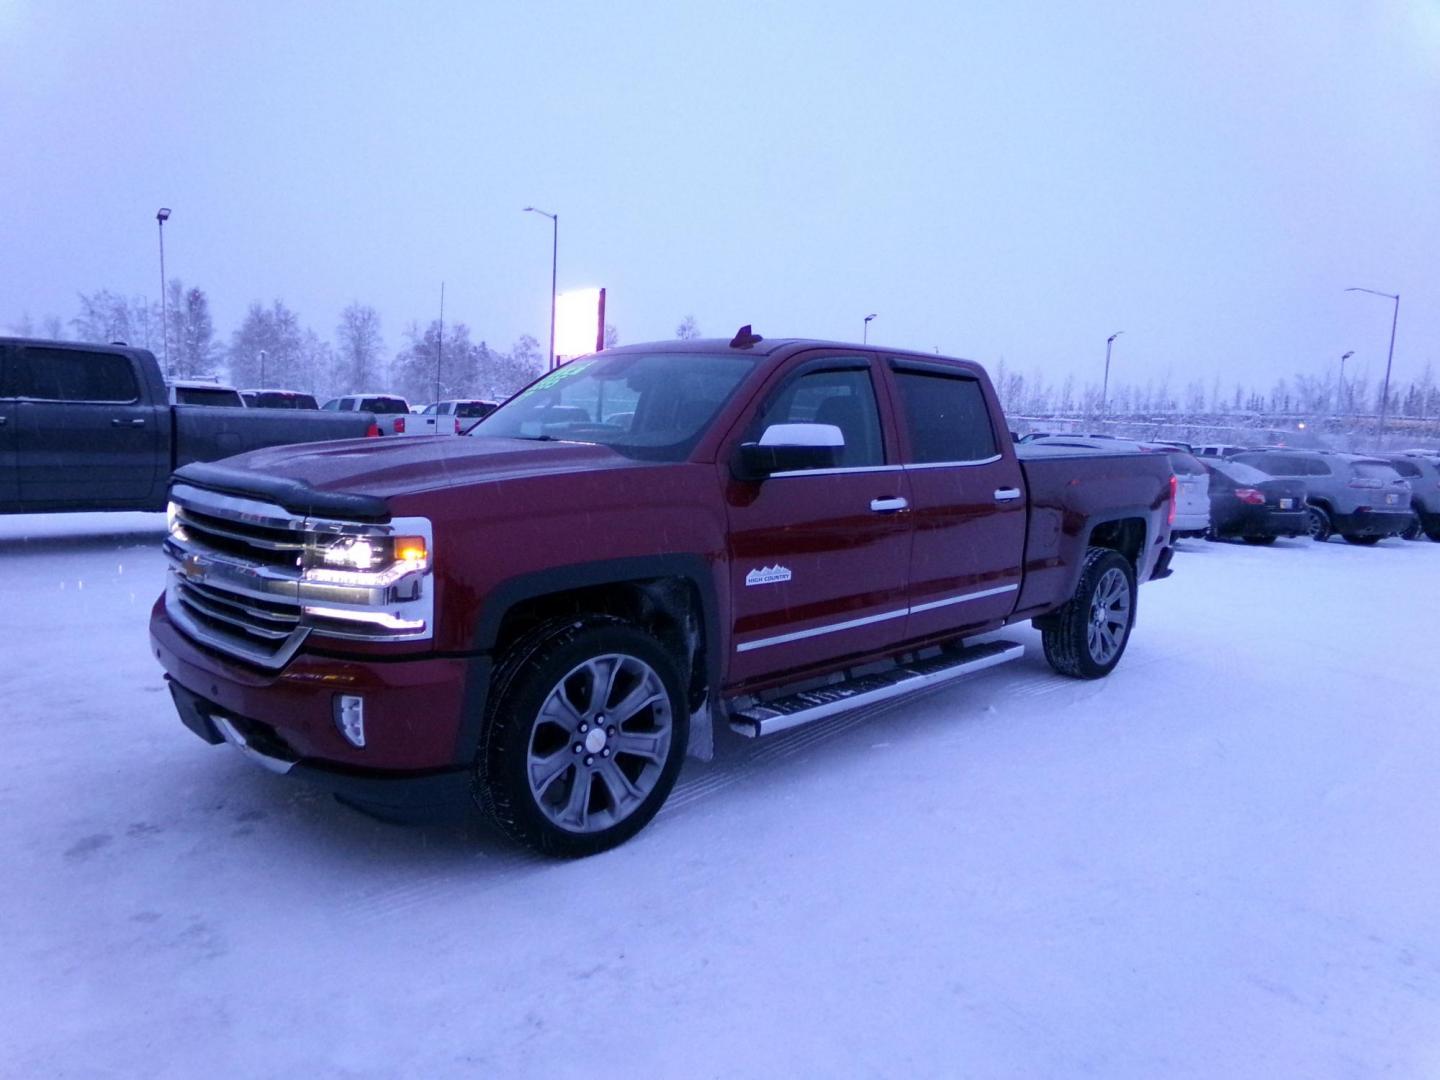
997	179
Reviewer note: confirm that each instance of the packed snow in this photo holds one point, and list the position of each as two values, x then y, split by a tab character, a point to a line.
1220	861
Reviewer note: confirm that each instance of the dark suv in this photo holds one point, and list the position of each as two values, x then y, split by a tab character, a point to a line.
1363	499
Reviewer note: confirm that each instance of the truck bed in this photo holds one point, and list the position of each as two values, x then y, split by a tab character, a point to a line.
1069	490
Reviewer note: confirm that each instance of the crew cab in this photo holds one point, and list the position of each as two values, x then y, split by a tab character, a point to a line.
548	613
91	427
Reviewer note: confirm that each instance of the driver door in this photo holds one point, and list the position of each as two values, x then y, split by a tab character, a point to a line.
819	558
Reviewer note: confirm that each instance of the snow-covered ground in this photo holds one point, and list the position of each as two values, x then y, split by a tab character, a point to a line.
1221	861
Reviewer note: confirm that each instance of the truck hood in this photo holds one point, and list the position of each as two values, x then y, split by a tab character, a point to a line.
388	467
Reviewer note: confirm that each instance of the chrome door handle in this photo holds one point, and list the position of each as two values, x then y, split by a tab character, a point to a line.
1006	494
119	422
888	506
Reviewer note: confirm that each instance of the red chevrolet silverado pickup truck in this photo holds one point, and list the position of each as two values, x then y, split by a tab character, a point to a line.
547	614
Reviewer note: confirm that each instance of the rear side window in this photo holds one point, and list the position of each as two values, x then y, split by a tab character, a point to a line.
1407	469
947	417
474	410
73	375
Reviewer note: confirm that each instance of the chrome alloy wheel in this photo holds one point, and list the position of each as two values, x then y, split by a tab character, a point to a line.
1109	616
599	744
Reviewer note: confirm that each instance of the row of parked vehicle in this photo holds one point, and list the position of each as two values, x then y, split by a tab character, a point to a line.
1256	494
461	412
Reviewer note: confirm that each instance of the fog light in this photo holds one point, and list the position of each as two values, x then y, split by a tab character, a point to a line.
350	717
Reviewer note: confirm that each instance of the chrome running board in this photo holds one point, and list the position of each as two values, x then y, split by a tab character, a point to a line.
766	718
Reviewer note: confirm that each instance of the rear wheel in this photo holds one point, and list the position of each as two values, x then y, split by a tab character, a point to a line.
1087	636
1413	531
584	737
1259	541
1320	527
1362	541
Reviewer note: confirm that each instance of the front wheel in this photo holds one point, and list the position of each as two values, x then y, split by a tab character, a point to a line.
584	737
1413	531
1087	636
1320	526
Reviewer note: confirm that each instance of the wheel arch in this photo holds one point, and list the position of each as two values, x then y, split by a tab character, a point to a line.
671	596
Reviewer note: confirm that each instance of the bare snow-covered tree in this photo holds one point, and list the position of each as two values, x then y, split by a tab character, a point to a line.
104	317
687	330
360	348
193	349
276	332
424	371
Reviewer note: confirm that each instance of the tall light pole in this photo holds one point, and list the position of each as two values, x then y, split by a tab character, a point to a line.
262	367
161	216
865	330
1385	392
554	257
1105	387
1342	379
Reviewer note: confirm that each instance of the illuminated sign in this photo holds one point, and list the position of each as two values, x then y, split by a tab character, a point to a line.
579	322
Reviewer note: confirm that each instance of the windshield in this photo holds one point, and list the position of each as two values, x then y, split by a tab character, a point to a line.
1240	473
649	405
384	405
1374	470
279	399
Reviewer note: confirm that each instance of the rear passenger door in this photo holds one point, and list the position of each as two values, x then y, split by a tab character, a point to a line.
967	498
82	432
9	485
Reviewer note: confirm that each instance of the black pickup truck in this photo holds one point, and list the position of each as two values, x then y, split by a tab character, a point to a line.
90	427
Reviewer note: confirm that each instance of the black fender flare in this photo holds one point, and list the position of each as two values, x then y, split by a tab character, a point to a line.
504	598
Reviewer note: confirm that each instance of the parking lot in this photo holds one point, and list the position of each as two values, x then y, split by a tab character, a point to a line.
1220	861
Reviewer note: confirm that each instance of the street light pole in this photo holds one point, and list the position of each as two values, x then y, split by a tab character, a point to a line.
262	367
865	330
1105	387
1389	359
1342	380
554	261
161	216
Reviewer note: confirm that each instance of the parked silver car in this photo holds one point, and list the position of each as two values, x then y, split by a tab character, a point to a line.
1422	469
1362	498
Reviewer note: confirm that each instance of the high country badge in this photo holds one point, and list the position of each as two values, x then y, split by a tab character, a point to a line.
768	575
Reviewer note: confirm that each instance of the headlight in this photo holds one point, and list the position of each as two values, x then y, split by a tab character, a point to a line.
366	560
173	524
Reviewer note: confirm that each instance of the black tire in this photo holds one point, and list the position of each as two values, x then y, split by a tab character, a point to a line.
534	670
1413	531
1320	525
1433	534
1362	541
1066	635
1258	541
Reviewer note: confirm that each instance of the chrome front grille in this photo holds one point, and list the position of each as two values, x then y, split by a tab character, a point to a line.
239	583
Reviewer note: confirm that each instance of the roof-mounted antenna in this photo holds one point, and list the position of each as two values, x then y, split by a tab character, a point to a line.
745	338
